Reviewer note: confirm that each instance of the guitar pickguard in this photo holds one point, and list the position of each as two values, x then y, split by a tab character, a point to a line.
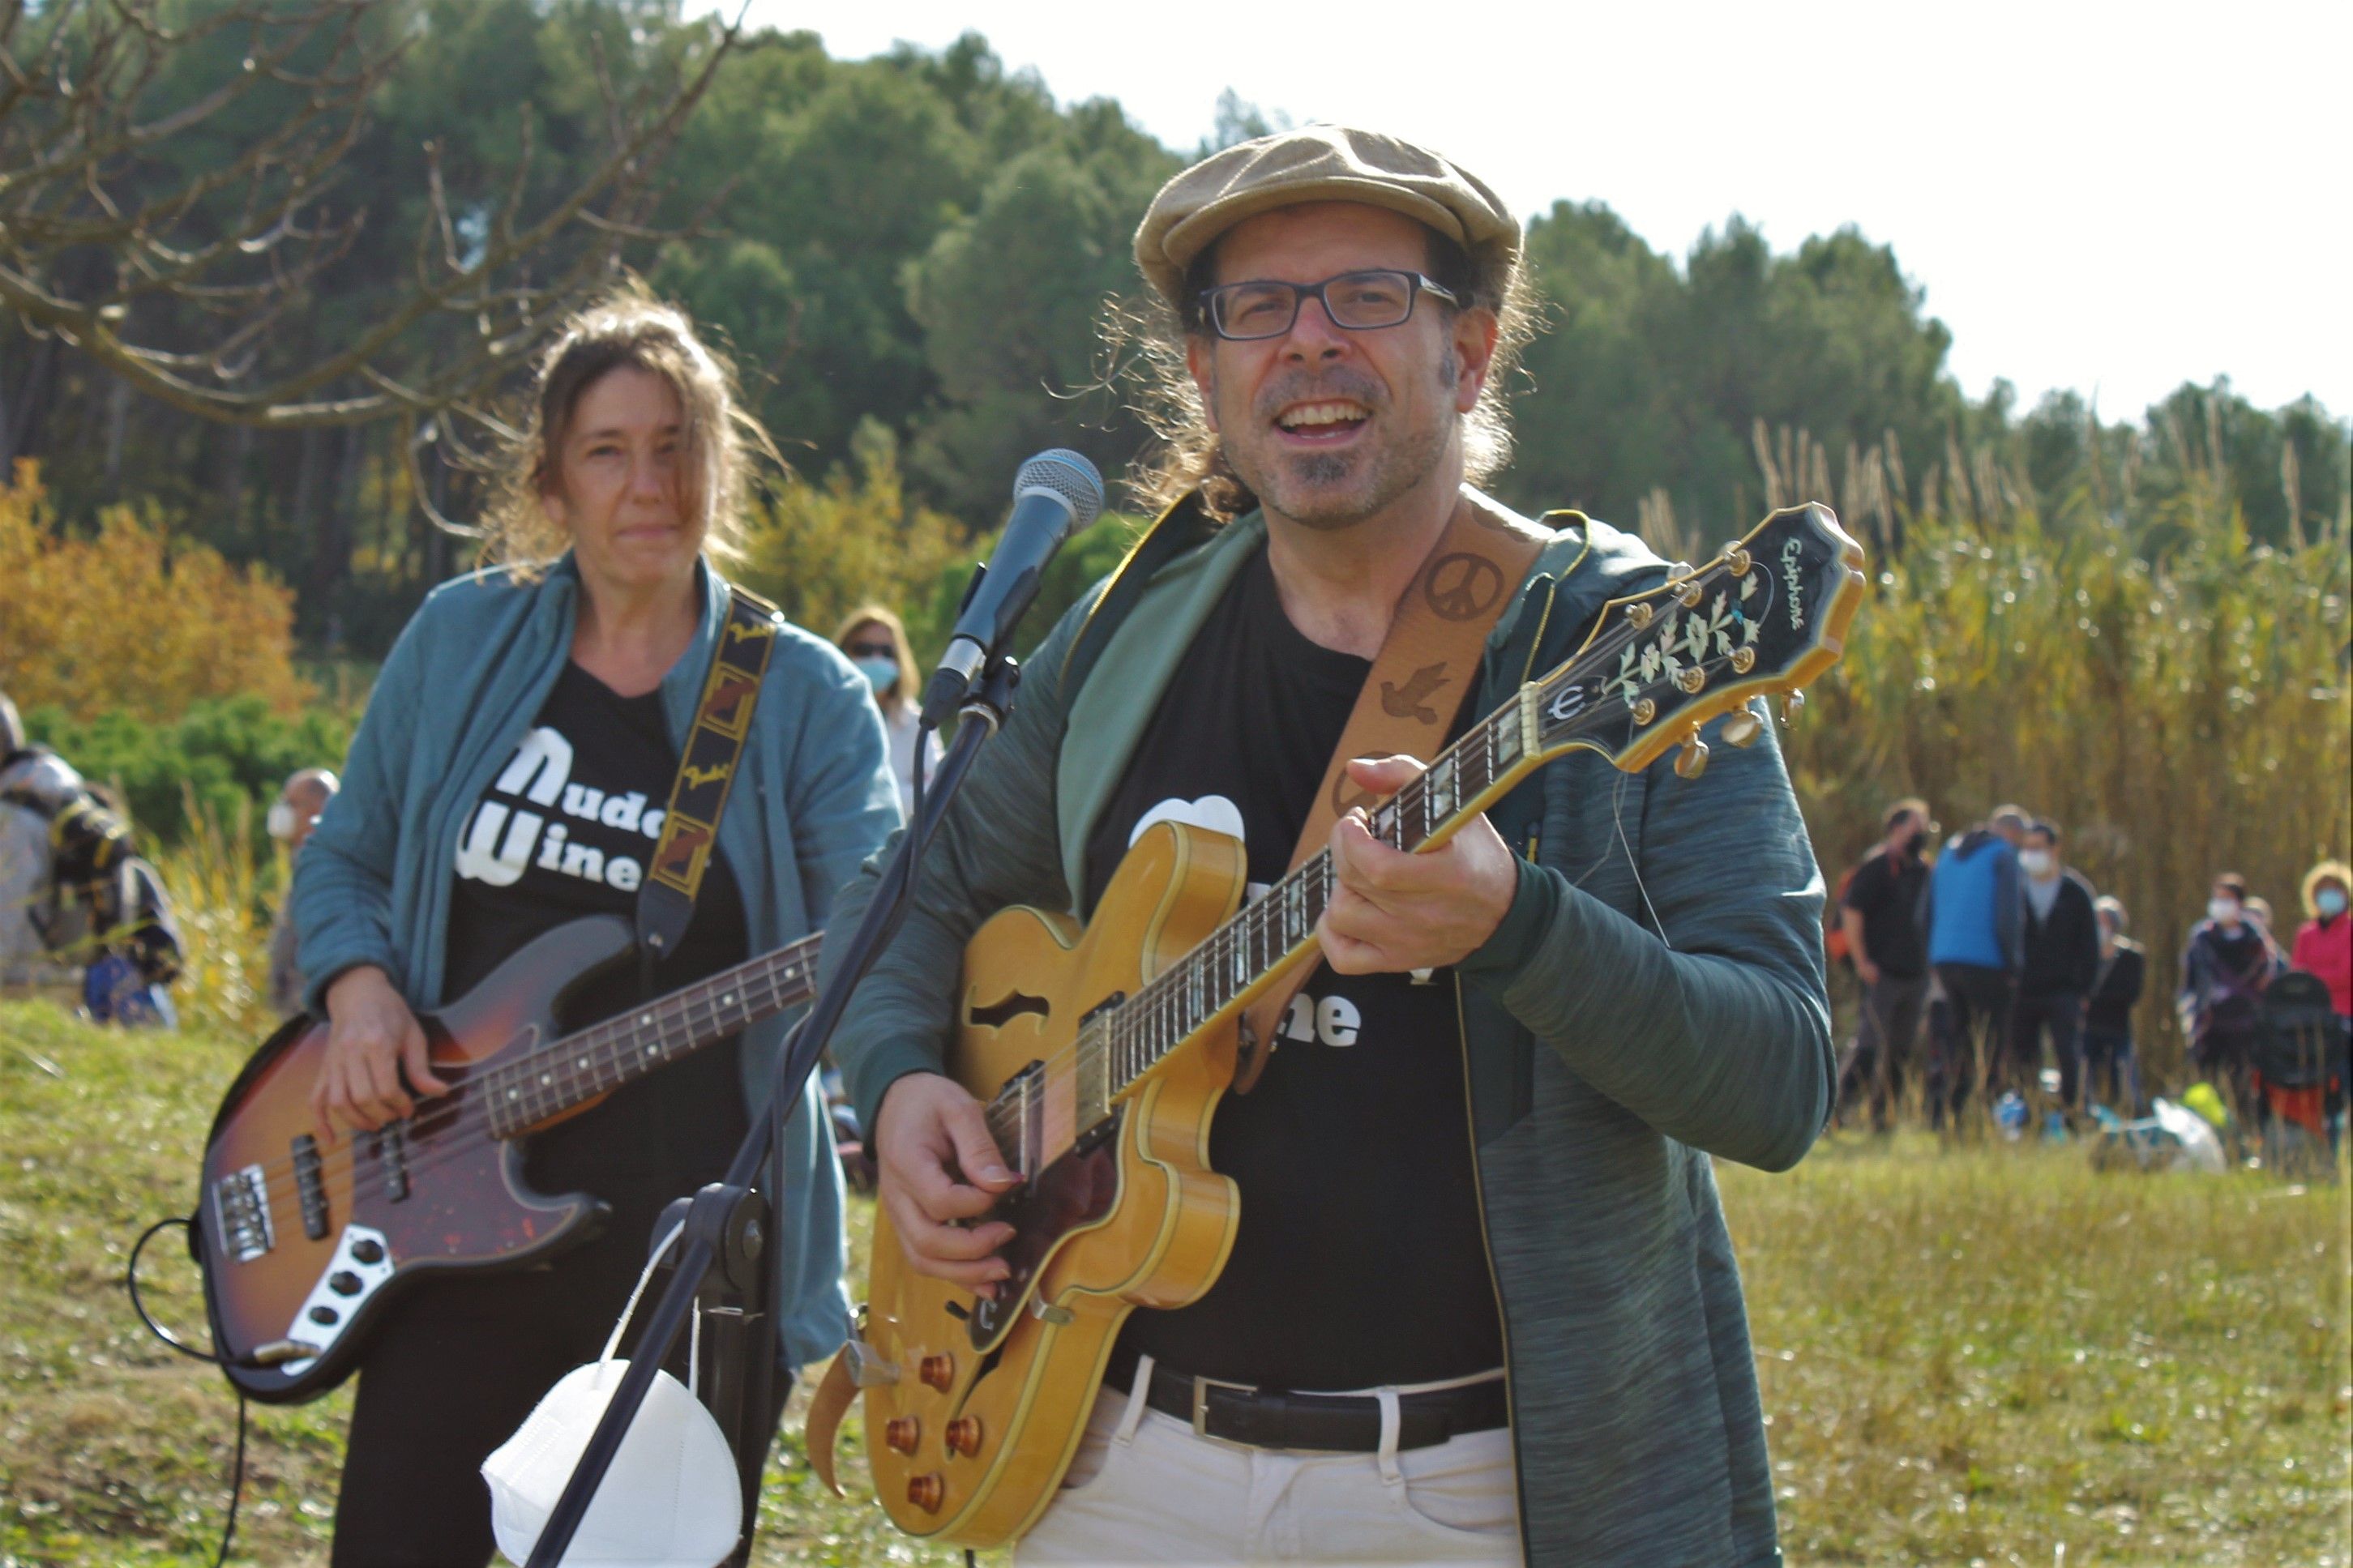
1066	1197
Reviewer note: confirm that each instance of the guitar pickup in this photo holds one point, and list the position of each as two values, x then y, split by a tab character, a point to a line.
241	1206
310	1187
392	1160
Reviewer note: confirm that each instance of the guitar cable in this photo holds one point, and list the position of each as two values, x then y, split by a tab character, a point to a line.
211	1358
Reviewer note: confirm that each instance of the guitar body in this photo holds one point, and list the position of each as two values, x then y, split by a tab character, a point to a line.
1129	1215
438	1193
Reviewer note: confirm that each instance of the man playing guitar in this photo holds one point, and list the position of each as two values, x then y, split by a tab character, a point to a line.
1475	1194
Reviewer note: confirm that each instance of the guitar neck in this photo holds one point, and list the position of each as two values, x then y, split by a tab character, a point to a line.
1276	933
557	1077
1768	615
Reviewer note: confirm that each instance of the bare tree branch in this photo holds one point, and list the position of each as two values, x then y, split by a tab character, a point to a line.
179	280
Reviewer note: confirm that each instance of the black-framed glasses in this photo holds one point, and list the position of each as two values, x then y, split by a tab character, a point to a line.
1360	302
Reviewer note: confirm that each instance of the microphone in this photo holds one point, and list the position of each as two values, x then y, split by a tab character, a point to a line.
1055	494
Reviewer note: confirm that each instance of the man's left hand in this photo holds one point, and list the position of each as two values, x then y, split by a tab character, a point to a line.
1394	911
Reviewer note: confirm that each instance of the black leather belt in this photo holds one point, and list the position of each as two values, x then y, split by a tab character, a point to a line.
1340	1423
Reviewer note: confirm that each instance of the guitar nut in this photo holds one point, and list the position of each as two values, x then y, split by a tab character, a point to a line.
900	1433
927	1492
963	1435
937	1372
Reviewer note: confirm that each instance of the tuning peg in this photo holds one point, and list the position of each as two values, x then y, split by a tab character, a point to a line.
1692	760
1742	728
1736	560
1790	705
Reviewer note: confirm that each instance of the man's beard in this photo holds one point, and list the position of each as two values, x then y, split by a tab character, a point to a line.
1313	489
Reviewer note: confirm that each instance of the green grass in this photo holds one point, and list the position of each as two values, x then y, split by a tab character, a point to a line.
1980	1355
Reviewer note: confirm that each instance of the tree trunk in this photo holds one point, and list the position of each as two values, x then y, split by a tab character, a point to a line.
331	555
32	394
118	417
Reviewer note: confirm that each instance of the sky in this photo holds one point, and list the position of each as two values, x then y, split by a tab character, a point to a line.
2111	198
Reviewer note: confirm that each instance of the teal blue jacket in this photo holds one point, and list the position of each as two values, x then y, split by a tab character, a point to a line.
815	796
1654	997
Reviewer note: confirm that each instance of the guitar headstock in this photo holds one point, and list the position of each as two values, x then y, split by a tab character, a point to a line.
1765	616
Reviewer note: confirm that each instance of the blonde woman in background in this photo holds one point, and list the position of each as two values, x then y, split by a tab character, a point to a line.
876	641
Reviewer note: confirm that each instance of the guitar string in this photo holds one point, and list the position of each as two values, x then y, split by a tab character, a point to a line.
611	1044
1139	1032
1148	1009
282	1183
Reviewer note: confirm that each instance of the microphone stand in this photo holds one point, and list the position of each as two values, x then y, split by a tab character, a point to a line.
719	1260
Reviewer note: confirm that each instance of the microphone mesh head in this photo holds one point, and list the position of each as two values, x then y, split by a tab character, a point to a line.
1067	474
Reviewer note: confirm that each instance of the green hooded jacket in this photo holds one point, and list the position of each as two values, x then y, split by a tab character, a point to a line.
1654	997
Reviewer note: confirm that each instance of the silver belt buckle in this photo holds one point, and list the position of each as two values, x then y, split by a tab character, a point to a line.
1201	1387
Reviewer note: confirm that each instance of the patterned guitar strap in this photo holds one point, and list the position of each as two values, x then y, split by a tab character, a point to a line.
1427	665
706	770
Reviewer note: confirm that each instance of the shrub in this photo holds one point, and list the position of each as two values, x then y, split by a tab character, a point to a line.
220	756
127	617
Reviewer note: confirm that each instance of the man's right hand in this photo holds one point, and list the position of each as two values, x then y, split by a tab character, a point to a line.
938	1166
1866	971
372	1038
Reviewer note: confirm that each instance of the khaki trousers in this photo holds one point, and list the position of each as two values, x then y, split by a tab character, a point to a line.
1144	1490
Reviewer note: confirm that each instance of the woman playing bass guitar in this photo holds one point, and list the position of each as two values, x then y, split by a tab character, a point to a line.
510	776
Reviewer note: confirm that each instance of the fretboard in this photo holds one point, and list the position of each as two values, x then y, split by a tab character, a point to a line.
1248	948
556	1077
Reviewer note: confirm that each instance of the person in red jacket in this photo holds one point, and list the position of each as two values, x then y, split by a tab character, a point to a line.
2323	946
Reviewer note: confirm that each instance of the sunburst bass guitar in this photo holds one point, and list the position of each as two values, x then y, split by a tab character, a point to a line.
1100	1054
303	1244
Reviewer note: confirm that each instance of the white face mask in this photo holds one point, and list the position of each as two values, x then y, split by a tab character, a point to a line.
2035	862
2222	910
280	821
670	1500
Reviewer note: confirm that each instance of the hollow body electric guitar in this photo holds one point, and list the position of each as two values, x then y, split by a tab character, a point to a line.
1100	1054
303	1243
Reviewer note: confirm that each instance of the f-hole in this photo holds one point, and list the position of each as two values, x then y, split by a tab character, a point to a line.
996	1014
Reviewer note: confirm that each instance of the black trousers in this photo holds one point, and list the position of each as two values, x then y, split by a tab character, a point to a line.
452	1372
2061	1017
1884	1030
1976	1035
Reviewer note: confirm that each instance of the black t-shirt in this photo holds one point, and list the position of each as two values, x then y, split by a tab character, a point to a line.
565	831
1359	1258
1886	893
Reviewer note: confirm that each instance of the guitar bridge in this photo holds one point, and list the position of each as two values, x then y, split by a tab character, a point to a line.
241	1210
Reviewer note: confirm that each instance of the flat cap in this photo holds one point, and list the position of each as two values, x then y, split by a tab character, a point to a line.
1316	163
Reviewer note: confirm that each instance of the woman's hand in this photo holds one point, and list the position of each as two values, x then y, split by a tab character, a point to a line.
371	1039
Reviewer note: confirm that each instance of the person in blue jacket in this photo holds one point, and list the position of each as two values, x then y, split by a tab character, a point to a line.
1975	914
509	776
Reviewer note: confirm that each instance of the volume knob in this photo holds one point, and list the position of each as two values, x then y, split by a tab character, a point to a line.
937	1372
963	1435
900	1433
927	1492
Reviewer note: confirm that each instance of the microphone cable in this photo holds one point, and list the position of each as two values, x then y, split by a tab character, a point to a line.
210	1358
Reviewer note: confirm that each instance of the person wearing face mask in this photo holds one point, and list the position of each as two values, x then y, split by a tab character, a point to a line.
1878	914
2107	1014
292	815
511	775
2226	964
2060	950
876	642
2323	947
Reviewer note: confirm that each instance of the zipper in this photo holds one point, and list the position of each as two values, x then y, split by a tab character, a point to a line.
1487	1248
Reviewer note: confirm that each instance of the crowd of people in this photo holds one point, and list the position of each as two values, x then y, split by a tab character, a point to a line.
1978	964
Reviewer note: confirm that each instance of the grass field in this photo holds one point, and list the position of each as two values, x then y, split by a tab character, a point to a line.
1974	1356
